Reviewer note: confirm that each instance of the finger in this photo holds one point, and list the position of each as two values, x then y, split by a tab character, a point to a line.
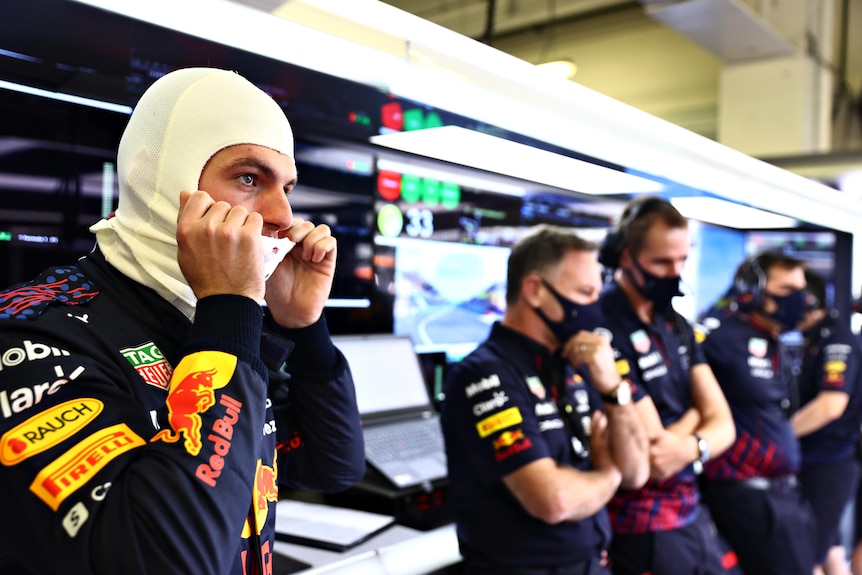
195	205
184	198
323	248
599	421
315	244
298	230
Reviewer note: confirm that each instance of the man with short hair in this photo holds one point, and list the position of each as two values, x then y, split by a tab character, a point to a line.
662	528
150	401
827	423
752	489
540	428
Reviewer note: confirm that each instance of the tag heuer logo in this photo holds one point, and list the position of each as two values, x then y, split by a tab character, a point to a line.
757	347
640	341
150	364
536	386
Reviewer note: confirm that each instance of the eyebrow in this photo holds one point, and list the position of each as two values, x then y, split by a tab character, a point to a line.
249	162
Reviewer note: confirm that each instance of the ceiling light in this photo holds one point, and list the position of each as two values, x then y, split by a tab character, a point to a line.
851	183
728	214
559	68
24	89
498	155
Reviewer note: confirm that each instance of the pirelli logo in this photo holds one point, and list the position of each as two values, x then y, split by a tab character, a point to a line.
78	465
498	421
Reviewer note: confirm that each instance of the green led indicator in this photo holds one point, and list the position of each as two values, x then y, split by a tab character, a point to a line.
450	195
431	192
433	120
5	236
413	120
410	188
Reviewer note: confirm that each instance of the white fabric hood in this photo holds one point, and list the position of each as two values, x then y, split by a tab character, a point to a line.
180	122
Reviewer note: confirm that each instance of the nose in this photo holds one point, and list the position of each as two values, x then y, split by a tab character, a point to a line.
275	209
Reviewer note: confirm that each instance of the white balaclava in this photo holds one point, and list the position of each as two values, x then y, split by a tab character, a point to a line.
180	122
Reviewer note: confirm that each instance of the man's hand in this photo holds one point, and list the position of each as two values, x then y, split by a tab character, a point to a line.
298	289
600	447
669	453
595	352
218	247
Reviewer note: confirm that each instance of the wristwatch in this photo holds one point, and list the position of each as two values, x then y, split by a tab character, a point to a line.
702	454
622	395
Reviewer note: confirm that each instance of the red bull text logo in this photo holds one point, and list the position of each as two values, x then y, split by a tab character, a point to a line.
210	471
192	392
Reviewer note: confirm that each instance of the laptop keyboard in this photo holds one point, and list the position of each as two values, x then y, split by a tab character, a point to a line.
405	440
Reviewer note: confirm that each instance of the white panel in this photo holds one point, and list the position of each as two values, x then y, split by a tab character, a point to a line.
770	108
727	28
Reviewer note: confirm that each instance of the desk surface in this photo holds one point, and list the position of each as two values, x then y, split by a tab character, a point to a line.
397	550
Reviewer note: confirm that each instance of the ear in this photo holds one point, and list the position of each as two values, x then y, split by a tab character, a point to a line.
531	288
625	257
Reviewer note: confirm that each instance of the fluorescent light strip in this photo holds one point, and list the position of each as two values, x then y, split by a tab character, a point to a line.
18	56
490	153
65	97
348	302
729	214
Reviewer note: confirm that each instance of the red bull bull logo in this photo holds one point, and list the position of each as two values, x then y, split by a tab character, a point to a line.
509	443
265	491
507	438
192	392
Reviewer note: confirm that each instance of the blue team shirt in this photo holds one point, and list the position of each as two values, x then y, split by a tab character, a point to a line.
499	415
657	359
747	362
832	362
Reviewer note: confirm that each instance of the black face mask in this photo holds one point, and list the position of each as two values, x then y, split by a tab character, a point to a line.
791	308
576	316
660	291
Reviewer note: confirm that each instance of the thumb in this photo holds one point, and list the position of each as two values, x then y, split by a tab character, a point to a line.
184	198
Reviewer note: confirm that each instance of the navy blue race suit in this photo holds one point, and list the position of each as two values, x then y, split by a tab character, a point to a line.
135	441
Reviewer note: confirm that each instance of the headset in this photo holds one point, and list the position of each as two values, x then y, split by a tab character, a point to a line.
615	241
749	284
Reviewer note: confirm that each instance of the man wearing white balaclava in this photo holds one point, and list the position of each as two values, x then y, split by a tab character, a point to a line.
174	132
145	422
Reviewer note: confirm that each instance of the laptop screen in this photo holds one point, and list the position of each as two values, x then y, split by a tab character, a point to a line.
386	372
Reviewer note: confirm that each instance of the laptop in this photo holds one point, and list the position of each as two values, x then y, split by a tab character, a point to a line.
403	439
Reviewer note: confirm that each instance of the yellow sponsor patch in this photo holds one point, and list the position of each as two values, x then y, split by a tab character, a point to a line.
78	465
835	366
623	367
699	336
498	421
47	429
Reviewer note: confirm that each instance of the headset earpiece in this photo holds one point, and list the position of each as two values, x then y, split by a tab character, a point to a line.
749	284
611	248
615	240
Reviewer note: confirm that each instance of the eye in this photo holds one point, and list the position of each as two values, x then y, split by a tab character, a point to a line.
247	179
